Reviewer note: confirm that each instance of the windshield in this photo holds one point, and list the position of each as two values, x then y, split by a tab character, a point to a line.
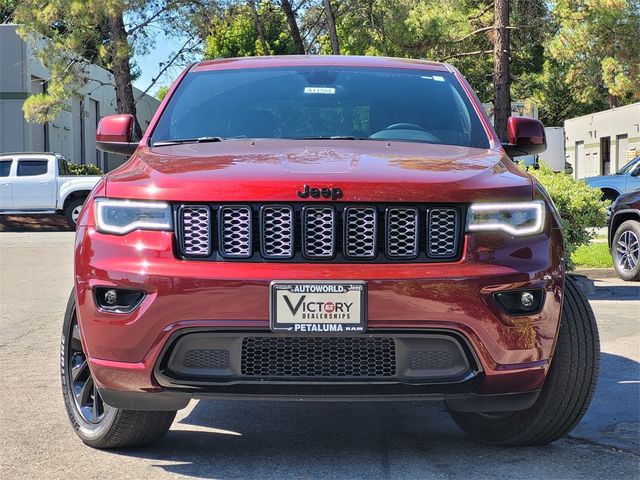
628	167
321	102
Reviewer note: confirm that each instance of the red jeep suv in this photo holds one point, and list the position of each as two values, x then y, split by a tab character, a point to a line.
323	228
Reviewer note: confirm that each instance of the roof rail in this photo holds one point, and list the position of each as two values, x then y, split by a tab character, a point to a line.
28	153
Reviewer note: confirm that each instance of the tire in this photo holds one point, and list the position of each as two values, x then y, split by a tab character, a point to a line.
72	210
567	391
609	195
625	250
97	424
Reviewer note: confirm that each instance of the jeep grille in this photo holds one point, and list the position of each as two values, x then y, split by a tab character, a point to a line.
320	232
196	230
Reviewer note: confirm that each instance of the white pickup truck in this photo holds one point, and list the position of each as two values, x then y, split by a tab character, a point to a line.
41	183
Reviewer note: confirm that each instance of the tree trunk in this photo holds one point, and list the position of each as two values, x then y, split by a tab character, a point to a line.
614	101
120	55
256	21
331	25
293	26
501	77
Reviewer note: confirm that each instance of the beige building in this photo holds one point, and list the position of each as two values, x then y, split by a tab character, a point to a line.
72	133
603	142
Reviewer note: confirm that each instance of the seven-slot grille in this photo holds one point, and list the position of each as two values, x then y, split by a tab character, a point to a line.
300	232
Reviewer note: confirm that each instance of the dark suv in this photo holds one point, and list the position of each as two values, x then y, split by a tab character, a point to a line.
314	228
624	235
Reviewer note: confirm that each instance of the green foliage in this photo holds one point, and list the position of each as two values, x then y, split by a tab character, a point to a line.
69	35
458	32
72	29
234	33
87	169
593	255
7	9
597	46
570	57
579	205
554	96
162	92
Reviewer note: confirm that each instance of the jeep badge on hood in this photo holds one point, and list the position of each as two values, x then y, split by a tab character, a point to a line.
334	193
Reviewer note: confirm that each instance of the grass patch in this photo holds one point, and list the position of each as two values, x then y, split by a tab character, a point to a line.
594	255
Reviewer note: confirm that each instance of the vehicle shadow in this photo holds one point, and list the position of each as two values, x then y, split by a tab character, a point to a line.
605	291
33	223
223	439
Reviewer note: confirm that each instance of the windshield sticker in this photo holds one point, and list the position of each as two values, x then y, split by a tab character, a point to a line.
320	90
437	78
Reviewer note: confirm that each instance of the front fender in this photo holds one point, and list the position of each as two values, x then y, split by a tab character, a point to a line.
72	185
610	183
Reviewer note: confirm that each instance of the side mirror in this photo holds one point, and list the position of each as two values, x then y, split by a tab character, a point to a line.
526	137
115	133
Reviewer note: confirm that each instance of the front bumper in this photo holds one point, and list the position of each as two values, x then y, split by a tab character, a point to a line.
126	350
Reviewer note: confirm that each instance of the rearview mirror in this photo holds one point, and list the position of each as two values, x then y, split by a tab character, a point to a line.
115	134
526	137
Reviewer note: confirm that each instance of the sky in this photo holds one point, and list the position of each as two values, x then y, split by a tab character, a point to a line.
150	64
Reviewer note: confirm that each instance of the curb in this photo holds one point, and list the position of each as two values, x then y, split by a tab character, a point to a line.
596	273
584	283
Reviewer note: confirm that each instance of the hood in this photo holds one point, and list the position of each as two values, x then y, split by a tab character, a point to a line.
274	170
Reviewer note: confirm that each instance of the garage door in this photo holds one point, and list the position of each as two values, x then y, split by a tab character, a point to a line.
38	130
622	146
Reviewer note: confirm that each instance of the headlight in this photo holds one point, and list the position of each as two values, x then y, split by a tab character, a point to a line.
515	218
124	216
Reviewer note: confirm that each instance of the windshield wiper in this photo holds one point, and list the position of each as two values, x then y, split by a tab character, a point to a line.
165	143
333	137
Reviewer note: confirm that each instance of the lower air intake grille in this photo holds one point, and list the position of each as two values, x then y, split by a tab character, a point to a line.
218	359
318	357
431	360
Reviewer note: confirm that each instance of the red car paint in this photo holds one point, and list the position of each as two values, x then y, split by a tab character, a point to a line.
457	296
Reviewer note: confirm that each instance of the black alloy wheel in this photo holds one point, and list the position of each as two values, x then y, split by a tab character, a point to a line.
85	392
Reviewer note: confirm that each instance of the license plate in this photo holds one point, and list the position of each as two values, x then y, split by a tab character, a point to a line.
318	306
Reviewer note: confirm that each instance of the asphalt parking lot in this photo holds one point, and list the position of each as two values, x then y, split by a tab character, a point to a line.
230	440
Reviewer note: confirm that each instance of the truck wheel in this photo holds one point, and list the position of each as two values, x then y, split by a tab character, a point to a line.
567	391
625	250
96	423
72	211
609	195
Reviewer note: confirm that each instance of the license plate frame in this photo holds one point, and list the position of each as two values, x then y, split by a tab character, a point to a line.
289	316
